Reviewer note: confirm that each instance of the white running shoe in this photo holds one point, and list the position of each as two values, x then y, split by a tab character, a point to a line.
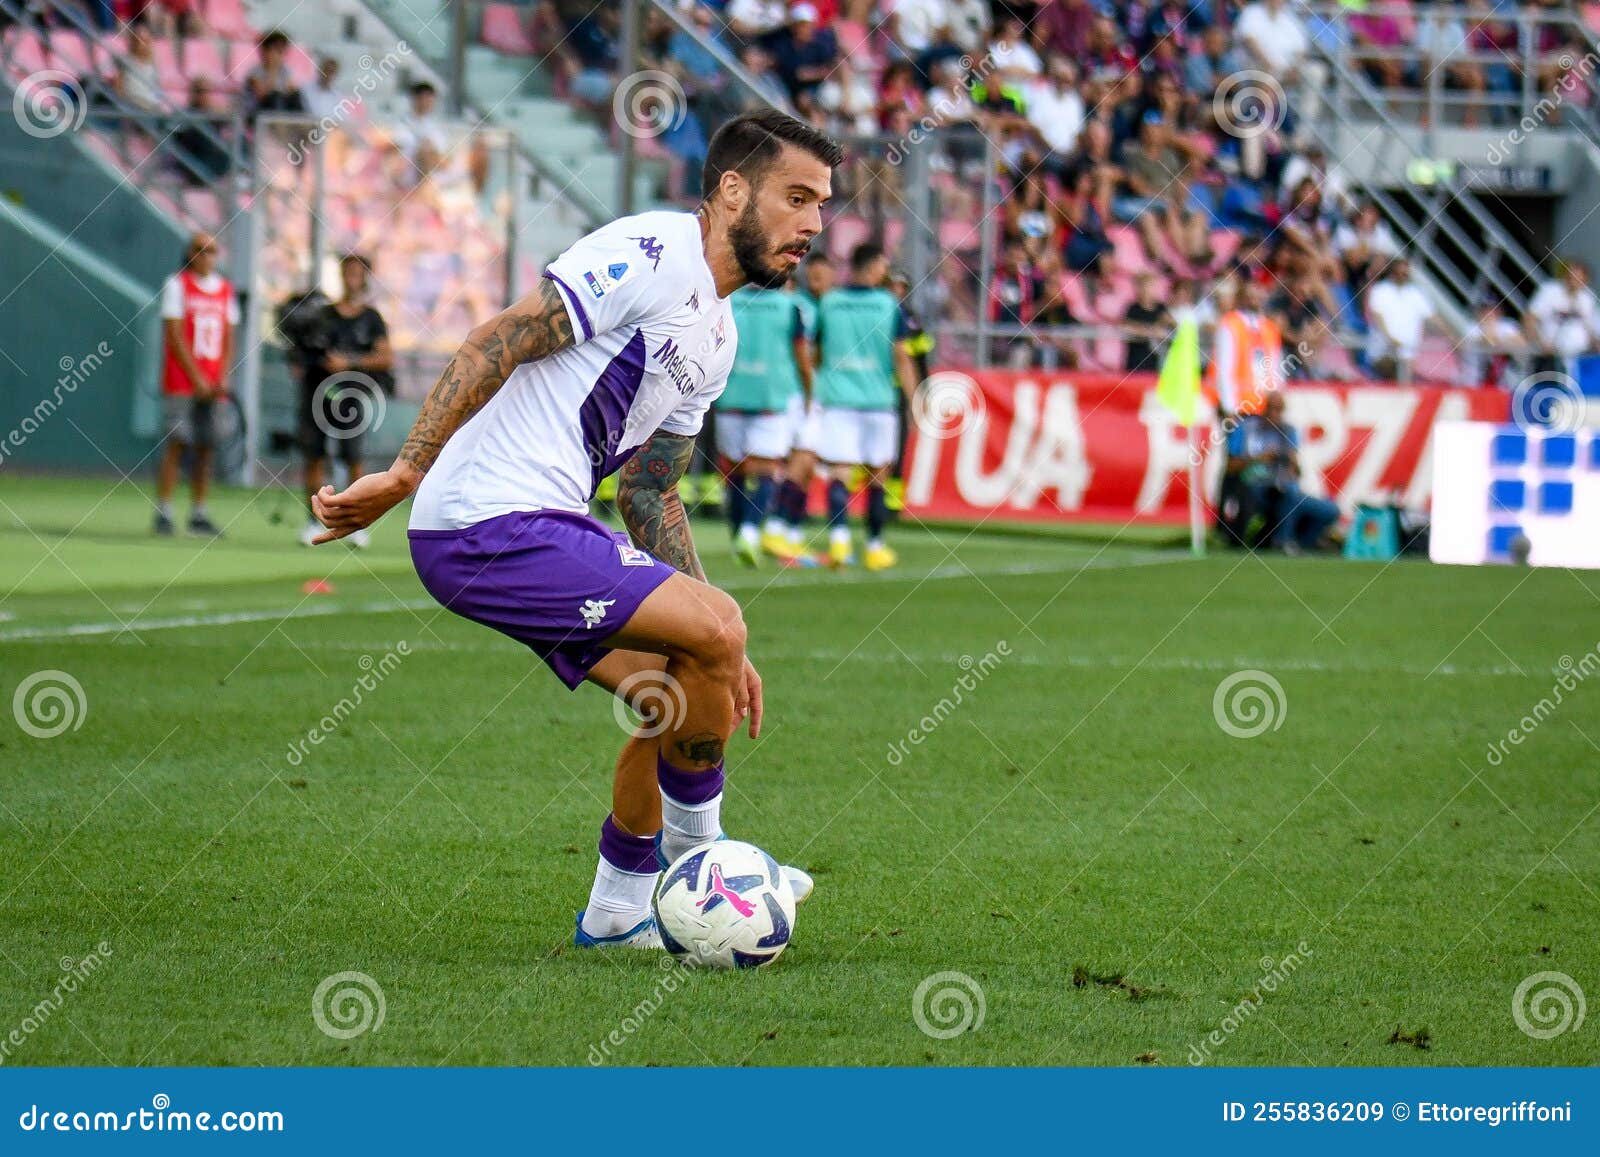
799	880
359	539
309	533
641	935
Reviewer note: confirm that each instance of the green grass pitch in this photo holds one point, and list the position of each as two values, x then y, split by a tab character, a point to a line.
1120	878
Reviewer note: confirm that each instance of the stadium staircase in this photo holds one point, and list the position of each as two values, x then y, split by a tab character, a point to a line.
1430	175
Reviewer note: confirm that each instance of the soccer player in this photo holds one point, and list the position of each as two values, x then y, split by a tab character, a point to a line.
755	415
816	279
612	363
336	394
862	363
198	315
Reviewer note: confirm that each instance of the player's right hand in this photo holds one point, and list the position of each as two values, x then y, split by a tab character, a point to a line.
358	505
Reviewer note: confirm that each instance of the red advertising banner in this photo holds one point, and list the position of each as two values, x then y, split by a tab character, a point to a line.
1036	445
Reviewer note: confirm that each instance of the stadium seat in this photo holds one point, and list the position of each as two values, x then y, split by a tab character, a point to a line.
227	19
1591	16
1129	256
504	31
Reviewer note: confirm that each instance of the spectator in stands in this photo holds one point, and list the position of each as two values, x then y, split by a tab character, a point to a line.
914	26
1056	110
593	37
1011	303
758	63
322	99
420	135
1491	348
1146	324
1064	28
207	160
1364	247
753	21
1300	309
968	23
1277	41
199	313
1149	169
1313	162
1012	55
338	395
1443	40
1562	321
1086	208
804	53
1398	313
1217	59
850	99
137	81
269	87
1264	462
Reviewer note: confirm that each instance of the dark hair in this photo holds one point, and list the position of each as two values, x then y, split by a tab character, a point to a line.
748	145
864	255
360	259
421	87
277	38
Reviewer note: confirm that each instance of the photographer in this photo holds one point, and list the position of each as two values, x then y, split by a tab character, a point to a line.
1264	459
341	351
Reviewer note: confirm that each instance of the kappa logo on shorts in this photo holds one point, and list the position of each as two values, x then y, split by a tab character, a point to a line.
594	611
633	556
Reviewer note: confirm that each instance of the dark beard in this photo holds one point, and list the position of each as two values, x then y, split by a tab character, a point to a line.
749	245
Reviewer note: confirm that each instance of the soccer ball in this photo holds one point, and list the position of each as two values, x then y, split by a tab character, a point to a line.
725	904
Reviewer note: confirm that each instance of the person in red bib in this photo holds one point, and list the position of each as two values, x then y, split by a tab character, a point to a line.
198	315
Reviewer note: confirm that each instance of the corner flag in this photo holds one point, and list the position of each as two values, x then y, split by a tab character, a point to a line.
1178	387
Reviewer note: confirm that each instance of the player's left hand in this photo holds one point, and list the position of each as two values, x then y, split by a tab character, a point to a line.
358	505
748	699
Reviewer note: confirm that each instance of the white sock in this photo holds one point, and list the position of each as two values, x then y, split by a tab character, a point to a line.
797	535
775	526
749	533
618	900
164	509
199	510
684	826
874	544
840	534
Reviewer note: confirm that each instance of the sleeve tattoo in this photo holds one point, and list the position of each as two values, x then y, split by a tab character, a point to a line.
647	497
535	327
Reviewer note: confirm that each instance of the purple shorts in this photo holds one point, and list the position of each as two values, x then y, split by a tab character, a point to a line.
560	582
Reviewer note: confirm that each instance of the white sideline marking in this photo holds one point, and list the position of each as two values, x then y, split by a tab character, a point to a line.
743	582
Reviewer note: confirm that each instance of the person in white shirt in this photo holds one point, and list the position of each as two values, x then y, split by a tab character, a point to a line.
1398	313
969	23
1277	42
322	99
1014	58
1562	320
754	19
419	135
914	26
1490	348
1054	107
610	365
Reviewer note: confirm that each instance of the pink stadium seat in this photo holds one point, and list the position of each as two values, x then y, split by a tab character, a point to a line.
844	233
27	53
1224	243
204	58
227	19
1129	256
1591	16
168	65
504	31
956	236
300	65
855	39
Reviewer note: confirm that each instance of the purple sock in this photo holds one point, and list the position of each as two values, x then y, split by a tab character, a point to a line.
688	787
632	854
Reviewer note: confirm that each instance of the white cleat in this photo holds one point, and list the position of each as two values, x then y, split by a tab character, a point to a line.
359	539
641	935
308	533
800	881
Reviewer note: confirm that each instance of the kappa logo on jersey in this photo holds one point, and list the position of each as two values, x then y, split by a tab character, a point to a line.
594	611
686	374
633	556
652	249
694	300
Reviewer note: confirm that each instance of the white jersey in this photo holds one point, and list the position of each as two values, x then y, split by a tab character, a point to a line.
654	347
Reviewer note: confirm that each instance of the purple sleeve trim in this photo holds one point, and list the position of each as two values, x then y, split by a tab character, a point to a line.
574	303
